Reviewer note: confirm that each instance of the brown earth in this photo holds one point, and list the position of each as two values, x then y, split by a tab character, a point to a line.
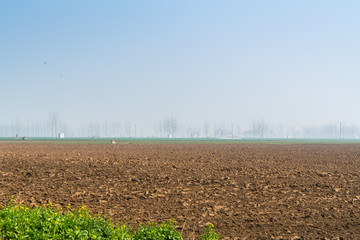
247	191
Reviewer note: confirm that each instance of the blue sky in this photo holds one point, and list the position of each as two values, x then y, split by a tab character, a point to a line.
288	62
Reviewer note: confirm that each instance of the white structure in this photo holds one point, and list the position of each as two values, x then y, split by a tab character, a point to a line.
61	135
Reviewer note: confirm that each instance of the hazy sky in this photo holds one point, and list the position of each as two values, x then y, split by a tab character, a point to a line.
289	62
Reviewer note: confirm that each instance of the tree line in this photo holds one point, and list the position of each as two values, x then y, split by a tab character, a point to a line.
171	127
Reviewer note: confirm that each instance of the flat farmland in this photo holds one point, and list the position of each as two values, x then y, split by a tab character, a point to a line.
247	191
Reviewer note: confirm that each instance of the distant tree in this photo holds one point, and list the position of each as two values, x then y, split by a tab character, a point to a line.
173	126
53	122
115	129
169	126
238	131
94	130
206	129
128	129
193	132
18	126
105	129
221	131
258	128
330	130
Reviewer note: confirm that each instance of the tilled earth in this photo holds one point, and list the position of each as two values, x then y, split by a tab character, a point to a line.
248	191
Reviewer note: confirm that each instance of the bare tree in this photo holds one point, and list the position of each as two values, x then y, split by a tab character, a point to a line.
258	128
18	126
53	122
220	131
193	132
128	129
173	126
206	129
105	129
93	130
169	127
238	131
115	130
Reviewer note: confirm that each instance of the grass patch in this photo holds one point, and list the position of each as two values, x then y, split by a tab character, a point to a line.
17	221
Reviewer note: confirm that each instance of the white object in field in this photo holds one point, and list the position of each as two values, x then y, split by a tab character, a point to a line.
61	135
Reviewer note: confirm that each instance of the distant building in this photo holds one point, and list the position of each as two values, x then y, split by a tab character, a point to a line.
61	135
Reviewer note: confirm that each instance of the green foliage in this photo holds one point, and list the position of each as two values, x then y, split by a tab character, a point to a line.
46	222
166	231
18	221
210	234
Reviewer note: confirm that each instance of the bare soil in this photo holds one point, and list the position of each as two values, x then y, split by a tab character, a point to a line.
248	191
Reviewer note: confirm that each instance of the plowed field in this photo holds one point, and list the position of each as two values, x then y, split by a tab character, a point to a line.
248	191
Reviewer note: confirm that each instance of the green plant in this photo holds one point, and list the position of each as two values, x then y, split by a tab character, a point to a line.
165	231
17	221
45	222
209	233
